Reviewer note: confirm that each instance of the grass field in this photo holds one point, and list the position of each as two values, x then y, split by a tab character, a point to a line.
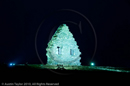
82	68
63	75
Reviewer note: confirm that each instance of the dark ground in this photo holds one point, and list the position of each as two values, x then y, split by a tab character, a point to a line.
27	74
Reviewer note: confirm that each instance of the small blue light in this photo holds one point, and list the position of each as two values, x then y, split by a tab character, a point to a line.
12	64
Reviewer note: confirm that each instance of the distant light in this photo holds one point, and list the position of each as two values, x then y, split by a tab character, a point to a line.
12	64
92	64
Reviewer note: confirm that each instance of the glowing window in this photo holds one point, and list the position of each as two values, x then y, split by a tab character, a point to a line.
59	50
71	52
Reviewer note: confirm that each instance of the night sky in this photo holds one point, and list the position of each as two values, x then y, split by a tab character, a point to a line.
20	20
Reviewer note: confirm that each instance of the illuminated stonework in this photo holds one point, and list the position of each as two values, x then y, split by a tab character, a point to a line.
62	48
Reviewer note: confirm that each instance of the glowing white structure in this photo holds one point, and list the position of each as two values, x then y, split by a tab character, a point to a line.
62	48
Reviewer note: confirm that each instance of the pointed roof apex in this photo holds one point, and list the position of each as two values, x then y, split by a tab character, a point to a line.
63	25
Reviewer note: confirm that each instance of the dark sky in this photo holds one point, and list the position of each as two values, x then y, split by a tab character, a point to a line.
20	19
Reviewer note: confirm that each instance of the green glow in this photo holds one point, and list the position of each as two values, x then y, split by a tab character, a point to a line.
62	48
92	64
84	68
